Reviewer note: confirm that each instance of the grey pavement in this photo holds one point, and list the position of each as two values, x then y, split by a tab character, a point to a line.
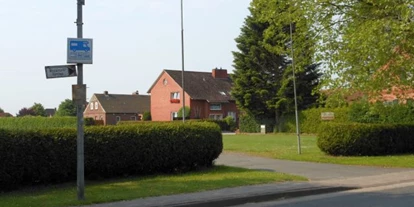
324	178
313	171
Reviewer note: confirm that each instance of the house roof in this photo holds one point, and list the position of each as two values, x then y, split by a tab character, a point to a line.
203	86
122	103
50	112
5	115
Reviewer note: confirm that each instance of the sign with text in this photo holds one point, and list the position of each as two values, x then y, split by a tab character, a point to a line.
327	116
60	71
79	50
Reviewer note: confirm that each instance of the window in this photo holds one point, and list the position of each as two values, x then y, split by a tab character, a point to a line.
175	97
174	115
96	105
133	118
216	116
232	114
118	119
91	105
215	107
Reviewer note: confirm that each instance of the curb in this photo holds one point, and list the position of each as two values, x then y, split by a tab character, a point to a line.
263	197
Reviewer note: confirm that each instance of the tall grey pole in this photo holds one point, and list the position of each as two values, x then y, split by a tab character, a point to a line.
182	58
80	140
294	89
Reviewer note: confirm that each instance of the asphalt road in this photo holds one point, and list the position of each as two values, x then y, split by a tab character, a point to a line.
398	195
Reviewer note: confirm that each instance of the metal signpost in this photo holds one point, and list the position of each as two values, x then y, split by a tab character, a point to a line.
60	71
79	51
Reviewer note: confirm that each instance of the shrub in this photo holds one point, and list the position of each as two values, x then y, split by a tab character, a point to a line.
187	112
146	116
248	124
365	139
49	155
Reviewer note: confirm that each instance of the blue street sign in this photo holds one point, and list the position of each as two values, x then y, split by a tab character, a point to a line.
79	50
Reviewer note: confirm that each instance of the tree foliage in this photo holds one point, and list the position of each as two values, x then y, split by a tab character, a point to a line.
66	108
26	112
38	109
1	110
368	43
263	72
363	45
187	112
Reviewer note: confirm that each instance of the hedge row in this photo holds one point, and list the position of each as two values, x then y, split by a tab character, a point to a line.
309	121
38	122
353	139
49	156
227	124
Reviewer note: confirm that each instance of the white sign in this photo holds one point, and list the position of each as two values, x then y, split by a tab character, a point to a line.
79	50
60	71
327	116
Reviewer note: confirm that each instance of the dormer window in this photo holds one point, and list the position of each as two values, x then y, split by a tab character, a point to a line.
215	107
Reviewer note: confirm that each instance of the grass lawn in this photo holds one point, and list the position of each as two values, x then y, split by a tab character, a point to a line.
284	146
128	189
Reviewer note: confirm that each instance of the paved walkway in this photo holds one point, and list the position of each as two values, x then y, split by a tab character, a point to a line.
324	178
313	171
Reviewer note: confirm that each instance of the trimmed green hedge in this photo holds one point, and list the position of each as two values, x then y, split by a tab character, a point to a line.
49	156
224	124
310	119
365	139
38	122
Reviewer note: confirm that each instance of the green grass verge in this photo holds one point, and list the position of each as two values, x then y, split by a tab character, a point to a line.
127	189
284	146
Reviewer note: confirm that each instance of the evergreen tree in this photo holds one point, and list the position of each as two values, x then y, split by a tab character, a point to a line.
263	73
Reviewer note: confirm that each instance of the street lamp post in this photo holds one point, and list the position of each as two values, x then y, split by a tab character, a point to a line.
182	59
294	88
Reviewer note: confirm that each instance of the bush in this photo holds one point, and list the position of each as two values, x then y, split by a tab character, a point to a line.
248	124
49	155
187	112
365	139
146	116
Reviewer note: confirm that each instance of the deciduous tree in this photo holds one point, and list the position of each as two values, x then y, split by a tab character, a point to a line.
66	108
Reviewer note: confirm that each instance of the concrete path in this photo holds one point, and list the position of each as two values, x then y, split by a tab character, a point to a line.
313	171
325	178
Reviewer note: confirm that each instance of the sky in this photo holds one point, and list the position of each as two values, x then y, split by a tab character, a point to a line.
133	41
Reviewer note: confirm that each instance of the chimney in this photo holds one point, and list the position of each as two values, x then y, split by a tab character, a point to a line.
106	93
219	73
135	93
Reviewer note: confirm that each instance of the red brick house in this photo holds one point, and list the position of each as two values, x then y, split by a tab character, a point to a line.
5	115
112	108
207	94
